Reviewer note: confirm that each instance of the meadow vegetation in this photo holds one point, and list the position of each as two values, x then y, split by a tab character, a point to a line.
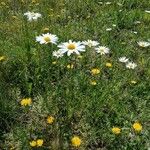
94	98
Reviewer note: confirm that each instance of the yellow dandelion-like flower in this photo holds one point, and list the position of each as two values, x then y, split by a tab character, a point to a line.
50	119
39	142
137	126
95	71
33	143
70	66
109	65
116	130
93	82
45	29
26	102
76	141
2	58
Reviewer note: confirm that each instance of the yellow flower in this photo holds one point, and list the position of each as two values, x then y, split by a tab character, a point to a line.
137	126
39	142
76	141
54	62
133	82
93	82
116	130
50	119
70	66
45	29
33	143
26	101
109	65
95	71
2	58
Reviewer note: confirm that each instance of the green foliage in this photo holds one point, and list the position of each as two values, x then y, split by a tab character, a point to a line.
78	107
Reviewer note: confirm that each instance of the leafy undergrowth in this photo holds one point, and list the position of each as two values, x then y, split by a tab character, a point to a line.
63	101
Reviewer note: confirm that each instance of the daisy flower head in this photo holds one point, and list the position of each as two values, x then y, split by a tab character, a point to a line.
71	47
102	50
147	11
123	59
47	38
90	43
57	54
108	29
76	141
131	65
143	44
32	16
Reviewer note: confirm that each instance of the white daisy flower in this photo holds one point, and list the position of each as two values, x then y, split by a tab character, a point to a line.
47	38
108	29
102	50
57	54
147	11
71	47
123	59
131	65
137	22
119	4
90	43
114	25
100	2
32	16
108	3
143	44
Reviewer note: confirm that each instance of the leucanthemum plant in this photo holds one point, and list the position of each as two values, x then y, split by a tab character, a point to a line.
123	59
131	65
90	43
47	38
102	50
71	47
57	54
32	16
143	44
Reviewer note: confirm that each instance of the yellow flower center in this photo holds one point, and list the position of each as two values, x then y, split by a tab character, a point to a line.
47	39
71	46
